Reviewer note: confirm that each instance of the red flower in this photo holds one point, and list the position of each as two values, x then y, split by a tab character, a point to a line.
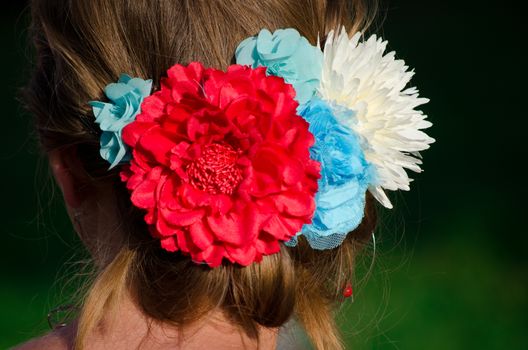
221	163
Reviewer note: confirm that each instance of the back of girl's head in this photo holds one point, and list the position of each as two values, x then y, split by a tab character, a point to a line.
84	45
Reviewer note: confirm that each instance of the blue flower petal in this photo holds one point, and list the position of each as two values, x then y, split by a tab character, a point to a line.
287	54
345	177
124	105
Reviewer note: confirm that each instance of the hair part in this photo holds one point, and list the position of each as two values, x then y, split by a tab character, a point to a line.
81	47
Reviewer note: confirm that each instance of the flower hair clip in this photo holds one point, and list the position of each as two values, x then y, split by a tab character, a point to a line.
227	165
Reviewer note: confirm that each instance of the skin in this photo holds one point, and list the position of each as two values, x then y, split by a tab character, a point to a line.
91	211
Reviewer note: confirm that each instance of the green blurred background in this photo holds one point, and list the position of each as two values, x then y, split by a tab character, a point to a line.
450	269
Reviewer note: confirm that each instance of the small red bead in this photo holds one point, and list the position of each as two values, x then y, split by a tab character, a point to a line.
347	292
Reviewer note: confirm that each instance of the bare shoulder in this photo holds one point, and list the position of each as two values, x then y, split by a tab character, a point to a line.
60	339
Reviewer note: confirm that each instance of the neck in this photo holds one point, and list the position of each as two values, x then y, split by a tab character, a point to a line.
129	328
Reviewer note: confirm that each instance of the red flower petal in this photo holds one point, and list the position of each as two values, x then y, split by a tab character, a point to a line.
165	227
182	218
125	174
150	218
295	203
213	255
221	204
279	165
238	229
157	144
242	255
184	80
185	242
153	108
133	132
143	195
276	227
267	244
169	244
201	235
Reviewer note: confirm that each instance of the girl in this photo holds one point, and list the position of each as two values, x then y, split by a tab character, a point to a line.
177	295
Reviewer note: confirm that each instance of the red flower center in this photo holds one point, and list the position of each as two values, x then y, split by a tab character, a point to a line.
215	171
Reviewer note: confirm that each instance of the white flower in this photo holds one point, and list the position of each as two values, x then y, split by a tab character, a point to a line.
360	76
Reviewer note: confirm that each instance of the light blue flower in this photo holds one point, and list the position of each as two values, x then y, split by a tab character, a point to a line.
125	100
286	54
345	176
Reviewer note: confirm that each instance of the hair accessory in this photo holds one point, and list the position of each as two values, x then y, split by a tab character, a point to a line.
345	176
221	163
61	316
348	291
361	77
363	91
227	165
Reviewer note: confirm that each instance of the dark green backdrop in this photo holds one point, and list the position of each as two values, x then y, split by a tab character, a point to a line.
451	264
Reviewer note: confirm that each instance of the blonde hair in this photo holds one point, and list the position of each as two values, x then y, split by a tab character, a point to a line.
82	46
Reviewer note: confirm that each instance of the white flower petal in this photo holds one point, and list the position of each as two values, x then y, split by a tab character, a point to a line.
380	195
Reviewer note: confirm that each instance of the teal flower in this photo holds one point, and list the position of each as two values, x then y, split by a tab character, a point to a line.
286	54
125	101
345	176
